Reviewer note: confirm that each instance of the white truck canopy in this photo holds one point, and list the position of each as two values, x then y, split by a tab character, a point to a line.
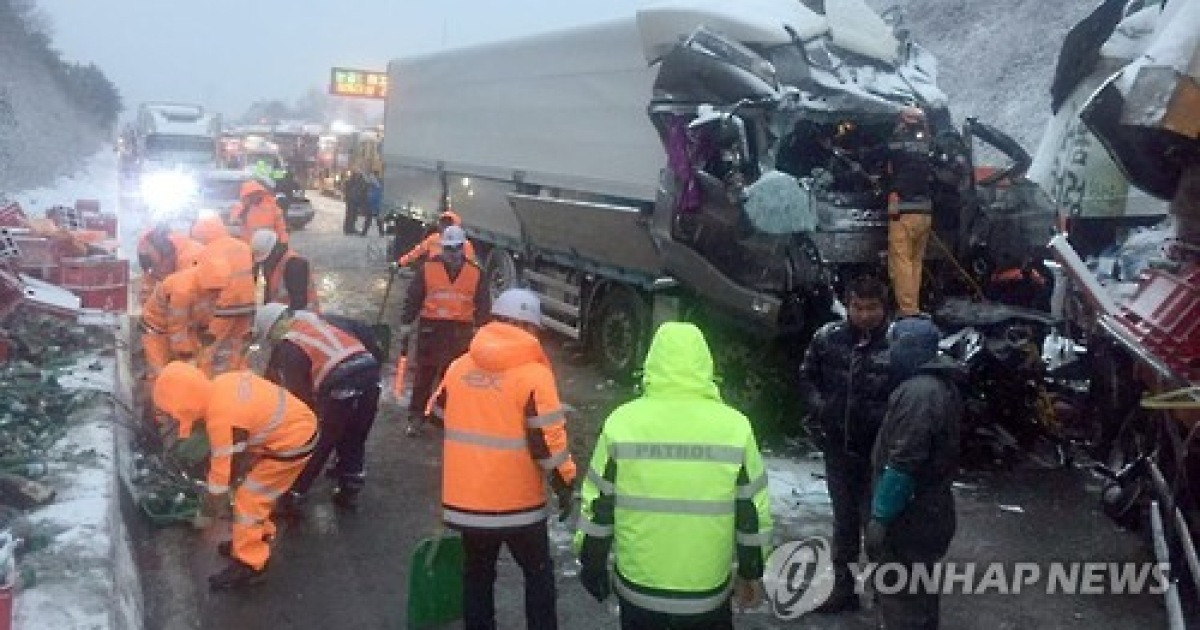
568	109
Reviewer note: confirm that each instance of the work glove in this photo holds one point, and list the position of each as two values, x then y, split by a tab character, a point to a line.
876	539
566	497
595	581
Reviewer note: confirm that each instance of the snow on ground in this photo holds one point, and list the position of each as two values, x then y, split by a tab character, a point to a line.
85	578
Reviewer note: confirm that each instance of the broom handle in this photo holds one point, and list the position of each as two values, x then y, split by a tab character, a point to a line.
386	293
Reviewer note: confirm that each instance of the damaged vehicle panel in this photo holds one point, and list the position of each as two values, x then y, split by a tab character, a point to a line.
698	157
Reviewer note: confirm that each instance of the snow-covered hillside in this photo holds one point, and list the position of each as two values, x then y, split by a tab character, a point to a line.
42	133
995	59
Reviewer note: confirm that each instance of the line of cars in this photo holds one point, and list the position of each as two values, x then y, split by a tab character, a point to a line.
178	194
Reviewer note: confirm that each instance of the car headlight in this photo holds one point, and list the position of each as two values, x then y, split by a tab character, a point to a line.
166	193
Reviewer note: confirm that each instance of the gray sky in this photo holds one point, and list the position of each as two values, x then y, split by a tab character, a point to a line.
229	53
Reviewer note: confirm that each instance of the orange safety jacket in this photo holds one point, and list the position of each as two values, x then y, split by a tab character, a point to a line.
450	300
238	298
430	247
173	309
266	215
505	429
248	413
159	263
326	345
276	289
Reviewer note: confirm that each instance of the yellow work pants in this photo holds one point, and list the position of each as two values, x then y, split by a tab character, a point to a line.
907	236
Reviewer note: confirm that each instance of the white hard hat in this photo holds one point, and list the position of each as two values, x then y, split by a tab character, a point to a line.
453	236
520	305
265	318
262	243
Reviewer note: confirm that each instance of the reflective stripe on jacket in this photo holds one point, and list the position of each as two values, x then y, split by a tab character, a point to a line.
174	309
246	412
677	484
505	430
325	345
446	299
237	298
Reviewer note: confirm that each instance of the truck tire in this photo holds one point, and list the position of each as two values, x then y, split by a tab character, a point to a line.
619	333
500	272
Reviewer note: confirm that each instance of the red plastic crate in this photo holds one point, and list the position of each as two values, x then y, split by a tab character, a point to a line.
1164	315
93	272
11	293
115	299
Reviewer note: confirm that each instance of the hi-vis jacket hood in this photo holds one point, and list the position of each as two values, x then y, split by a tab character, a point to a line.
208	229
679	364
498	347
182	392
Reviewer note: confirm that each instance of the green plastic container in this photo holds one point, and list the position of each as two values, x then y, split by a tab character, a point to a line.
164	512
435	581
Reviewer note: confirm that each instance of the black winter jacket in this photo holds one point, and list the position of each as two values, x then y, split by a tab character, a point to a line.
845	380
920	436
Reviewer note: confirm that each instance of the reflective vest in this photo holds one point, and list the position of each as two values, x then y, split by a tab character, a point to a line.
325	345
450	300
248	413
276	288
675	483
263	216
504	430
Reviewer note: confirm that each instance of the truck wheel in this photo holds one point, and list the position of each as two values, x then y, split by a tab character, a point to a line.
499	272
619	333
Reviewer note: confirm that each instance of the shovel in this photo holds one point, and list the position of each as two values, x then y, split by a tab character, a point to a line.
435	580
382	331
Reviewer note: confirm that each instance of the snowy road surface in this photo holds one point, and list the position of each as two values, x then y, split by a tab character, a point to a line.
339	570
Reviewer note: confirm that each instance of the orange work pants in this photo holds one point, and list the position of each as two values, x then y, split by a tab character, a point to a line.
267	480
907	236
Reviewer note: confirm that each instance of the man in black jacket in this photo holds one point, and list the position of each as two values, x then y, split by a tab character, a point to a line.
331	363
914	463
845	381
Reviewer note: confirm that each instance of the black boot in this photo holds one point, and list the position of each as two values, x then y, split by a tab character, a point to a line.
236	576
346	498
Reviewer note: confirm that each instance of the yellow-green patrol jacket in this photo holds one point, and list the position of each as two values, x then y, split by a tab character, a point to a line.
676	487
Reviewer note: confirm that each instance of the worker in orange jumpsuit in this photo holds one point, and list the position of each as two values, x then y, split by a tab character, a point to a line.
432	245
910	207
233	314
289	277
170	317
159	251
449	298
258	211
505	432
242	413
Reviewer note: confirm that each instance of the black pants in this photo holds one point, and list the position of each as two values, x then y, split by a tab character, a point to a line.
350	220
439	343
345	425
530	547
848	477
635	618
